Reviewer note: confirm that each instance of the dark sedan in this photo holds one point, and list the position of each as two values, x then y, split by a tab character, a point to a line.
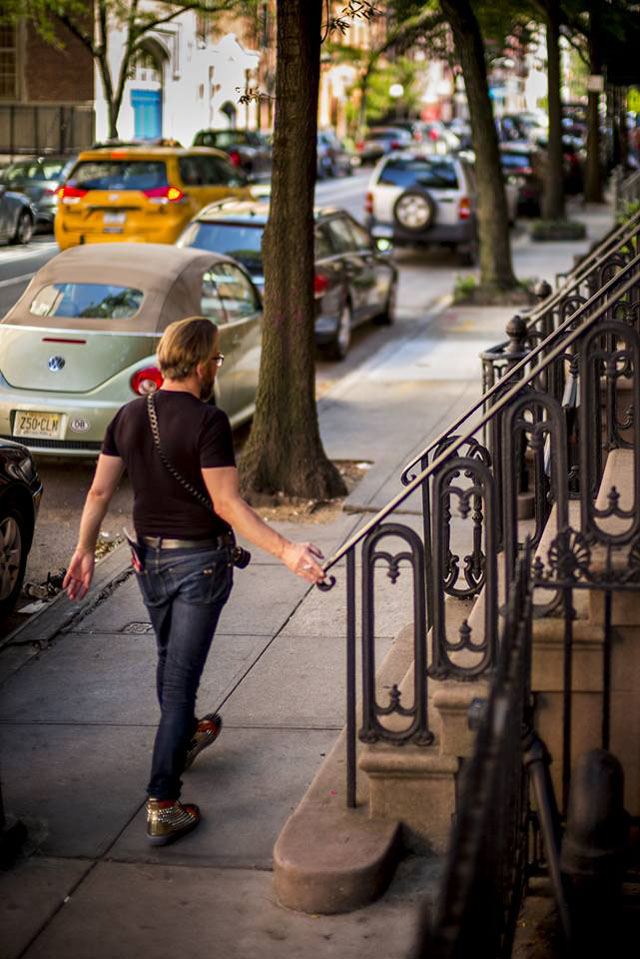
20	494
39	179
247	149
17	216
522	167
353	283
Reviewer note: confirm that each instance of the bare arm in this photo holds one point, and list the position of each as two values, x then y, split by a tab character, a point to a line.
80	572
300	558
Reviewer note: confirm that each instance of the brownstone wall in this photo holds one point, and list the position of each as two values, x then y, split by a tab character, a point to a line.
57	75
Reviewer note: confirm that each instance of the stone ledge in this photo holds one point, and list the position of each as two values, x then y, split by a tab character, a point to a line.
330	860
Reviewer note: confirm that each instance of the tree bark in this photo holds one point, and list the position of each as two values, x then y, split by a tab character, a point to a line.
593	174
496	270
553	199
284	450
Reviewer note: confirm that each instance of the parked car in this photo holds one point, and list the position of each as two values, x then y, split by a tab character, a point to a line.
353	282
17	216
418	199
435	137
522	166
81	339
20	495
141	194
382	140
246	149
39	179
333	158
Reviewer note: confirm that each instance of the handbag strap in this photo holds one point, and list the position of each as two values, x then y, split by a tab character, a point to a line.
153	422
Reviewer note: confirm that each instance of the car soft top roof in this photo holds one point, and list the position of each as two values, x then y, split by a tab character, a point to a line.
170	278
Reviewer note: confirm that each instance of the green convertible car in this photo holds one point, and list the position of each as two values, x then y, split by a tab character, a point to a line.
80	342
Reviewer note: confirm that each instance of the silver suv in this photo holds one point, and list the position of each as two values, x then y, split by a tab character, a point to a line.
414	198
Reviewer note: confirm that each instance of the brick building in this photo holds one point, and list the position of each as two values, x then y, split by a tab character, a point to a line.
46	91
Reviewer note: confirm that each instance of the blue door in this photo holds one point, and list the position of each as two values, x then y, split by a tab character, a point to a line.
147	113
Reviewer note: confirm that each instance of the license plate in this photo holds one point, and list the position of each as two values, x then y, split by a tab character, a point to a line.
111	219
46	425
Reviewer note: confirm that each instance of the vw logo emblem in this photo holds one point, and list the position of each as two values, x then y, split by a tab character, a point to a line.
56	363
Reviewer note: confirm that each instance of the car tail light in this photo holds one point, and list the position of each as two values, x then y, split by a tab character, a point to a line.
164	194
433	134
147	380
368	203
396	145
525	170
464	210
320	285
234	156
71	194
360	145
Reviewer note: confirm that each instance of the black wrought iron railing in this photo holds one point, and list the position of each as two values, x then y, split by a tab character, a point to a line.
575	388
483	883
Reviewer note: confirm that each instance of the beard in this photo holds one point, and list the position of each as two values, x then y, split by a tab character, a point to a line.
206	387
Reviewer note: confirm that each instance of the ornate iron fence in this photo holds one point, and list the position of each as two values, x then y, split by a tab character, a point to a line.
560	392
485	875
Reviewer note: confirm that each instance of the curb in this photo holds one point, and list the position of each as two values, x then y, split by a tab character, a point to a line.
60	613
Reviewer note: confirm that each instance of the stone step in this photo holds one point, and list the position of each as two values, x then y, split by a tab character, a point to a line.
329	858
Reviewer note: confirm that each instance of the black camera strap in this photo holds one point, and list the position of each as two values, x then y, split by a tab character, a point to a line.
153	422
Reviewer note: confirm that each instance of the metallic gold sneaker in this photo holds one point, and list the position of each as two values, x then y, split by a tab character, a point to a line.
207	732
168	819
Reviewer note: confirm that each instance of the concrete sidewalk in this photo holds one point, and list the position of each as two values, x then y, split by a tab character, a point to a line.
78	716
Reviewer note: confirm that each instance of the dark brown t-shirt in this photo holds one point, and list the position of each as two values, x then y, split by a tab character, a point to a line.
194	436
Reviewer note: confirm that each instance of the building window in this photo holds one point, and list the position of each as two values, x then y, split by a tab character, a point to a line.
8	73
144	68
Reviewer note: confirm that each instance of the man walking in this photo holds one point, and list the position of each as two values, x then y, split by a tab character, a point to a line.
178	452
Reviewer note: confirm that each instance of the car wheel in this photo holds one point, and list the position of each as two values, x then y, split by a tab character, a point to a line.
388	315
414	210
13	557
342	339
24	228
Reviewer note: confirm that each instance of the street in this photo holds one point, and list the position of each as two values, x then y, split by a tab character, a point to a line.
424	277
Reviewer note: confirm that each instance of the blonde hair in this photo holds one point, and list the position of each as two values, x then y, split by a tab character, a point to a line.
184	344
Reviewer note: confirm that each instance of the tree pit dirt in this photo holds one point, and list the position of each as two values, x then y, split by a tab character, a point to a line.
277	507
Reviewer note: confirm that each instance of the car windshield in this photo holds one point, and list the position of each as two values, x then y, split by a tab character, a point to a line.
418	172
87	300
119	175
242	242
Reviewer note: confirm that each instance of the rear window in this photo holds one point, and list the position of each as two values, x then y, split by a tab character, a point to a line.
428	173
87	300
515	160
119	175
52	169
242	242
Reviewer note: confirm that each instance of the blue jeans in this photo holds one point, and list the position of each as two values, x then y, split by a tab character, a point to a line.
184	591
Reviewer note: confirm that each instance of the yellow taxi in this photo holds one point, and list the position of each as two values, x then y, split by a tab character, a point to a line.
141	194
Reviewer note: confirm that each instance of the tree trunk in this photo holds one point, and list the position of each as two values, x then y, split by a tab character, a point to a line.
496	270
284	450
593	174
553	200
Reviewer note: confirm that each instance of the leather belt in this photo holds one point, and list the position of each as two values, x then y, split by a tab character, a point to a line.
163	542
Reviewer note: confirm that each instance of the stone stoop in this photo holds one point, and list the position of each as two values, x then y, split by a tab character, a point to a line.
329	858
587	654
